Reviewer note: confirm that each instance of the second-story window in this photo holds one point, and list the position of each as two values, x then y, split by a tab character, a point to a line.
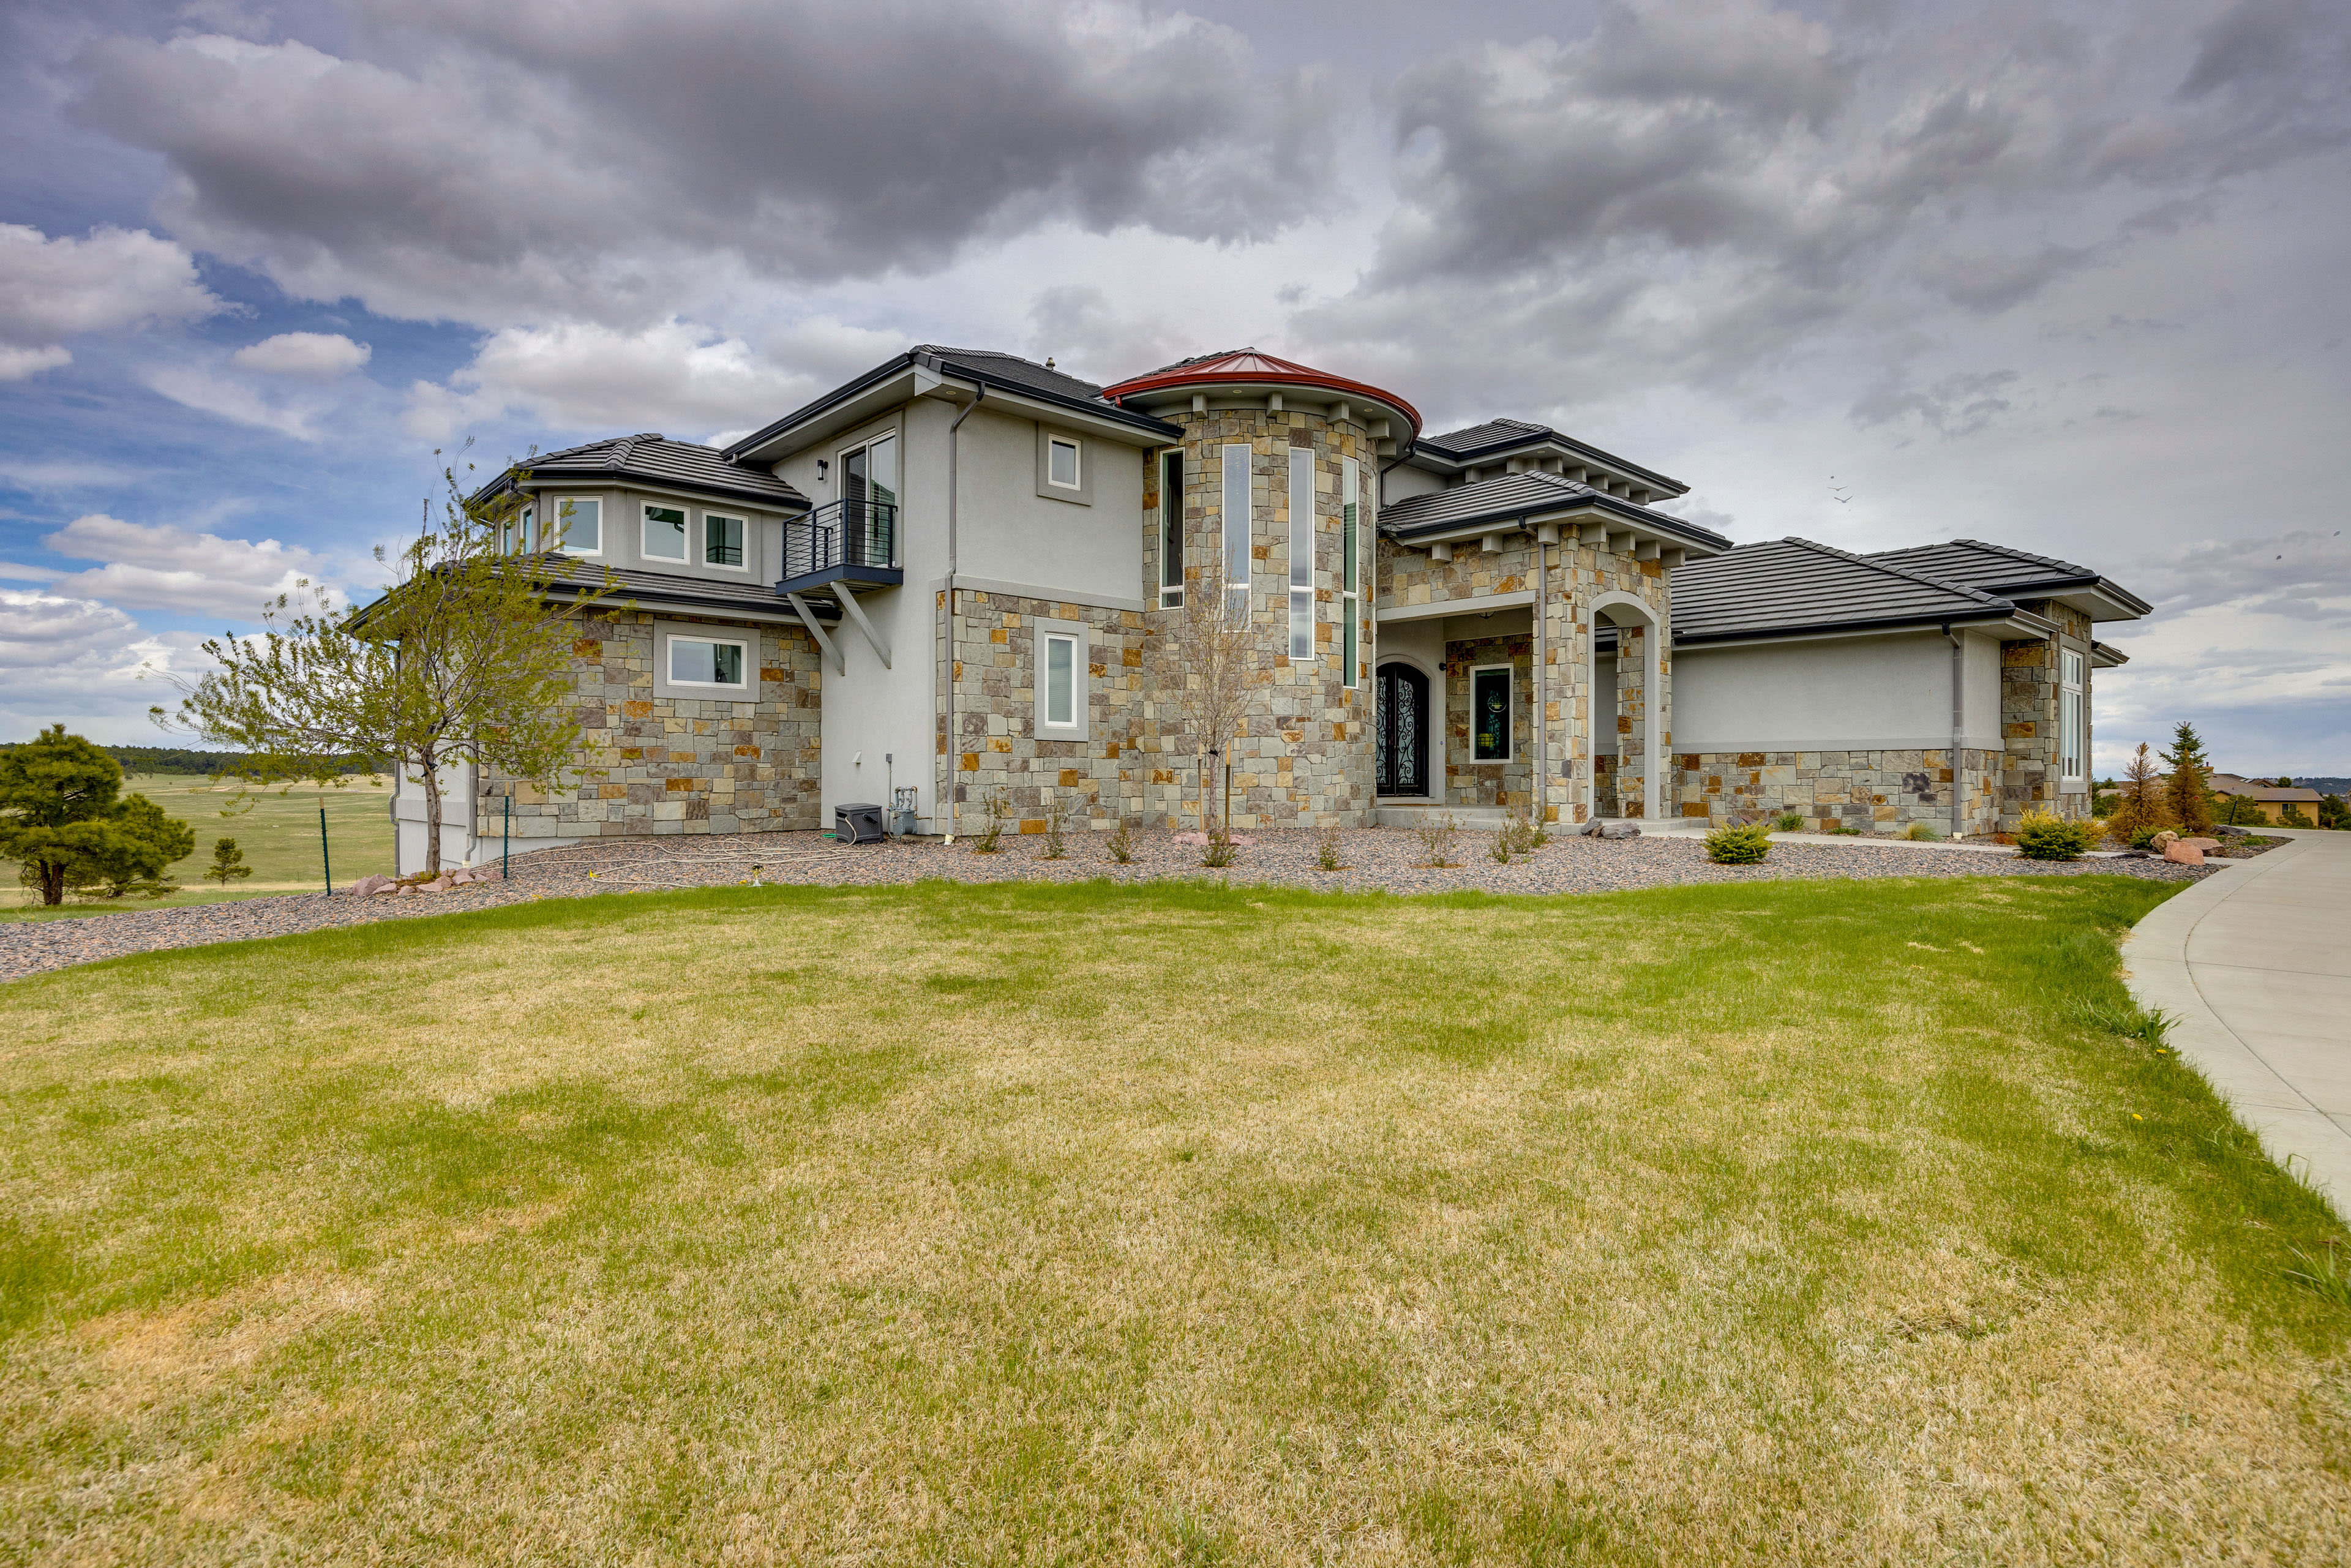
722	539
1302	554
1061	462
1171	530
1238	529
664	533
580	525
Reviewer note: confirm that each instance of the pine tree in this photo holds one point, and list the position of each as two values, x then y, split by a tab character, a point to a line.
2141	806
228	863
2187	793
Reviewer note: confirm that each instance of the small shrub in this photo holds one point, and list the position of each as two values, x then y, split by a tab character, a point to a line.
1122	844
1519	836
1057	816
1326	850
2042	837
228	863
2294	817
2148	1025
990	837
1221	851
1437	835
1739	846
2145	837
1841	831
1921	833
2327	1278
1789	823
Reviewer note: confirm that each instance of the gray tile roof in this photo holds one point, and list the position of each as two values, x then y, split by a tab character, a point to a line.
1013	370
663	590
1507	496
1499	435
1493	433
682	465
1794	585
2003	569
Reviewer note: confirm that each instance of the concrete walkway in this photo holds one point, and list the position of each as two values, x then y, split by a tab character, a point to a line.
2254	967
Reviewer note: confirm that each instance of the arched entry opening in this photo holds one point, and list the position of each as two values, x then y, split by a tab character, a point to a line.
1627	772
1402	730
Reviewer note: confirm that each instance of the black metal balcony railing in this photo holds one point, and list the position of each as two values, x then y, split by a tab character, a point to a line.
852	533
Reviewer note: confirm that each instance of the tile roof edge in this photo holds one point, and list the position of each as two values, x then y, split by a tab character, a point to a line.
1977	594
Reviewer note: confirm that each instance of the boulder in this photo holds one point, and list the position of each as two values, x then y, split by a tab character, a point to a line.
1620	829
368	885
401	890
2234	832
441	884
2202	843
2161	840
2180	852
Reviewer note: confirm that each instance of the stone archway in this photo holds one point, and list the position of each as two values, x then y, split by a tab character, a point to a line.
1635	720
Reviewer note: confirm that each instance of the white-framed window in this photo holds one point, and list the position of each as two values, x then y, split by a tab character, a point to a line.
579	525
1239	529
520	533
1171	528
1064	679
718	663
664	532
2072	715
1490	713
1350	477
1061	462
722	540
1302	554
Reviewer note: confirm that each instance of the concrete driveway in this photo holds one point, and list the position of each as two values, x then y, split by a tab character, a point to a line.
2254	965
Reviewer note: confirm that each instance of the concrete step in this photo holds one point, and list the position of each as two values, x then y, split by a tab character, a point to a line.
1471	819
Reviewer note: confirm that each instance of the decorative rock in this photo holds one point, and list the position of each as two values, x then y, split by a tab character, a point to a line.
1620	829
2202	843
2181	853
368	885
2231	832
2161	841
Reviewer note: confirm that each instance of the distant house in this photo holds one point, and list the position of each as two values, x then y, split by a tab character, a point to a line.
953	575
2271	801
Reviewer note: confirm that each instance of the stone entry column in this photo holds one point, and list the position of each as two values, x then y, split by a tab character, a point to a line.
1631	712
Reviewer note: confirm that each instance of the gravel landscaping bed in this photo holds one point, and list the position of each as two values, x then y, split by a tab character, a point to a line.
1375	859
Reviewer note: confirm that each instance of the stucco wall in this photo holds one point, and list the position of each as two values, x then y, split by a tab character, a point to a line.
1857	693
1008	533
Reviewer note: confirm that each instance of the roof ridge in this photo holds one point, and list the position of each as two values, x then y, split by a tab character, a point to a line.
1965	592
2015	553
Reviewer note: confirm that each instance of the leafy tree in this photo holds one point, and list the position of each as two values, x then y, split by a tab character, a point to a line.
2331	813
64	818
465	658
2187	792
1218	656
228	863
2240	811
2285	783
2140	806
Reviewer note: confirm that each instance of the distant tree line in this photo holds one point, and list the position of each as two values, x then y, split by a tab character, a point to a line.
203	764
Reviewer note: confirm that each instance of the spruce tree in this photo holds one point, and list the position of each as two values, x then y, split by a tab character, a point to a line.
2141	806
2186	792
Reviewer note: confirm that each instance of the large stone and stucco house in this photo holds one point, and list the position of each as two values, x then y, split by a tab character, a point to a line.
955	574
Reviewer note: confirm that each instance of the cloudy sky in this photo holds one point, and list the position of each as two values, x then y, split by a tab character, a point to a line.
2067	277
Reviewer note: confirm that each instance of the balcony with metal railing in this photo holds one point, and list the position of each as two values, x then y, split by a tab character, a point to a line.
853	542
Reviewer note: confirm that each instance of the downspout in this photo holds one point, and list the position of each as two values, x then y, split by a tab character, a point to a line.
1959	723
946	802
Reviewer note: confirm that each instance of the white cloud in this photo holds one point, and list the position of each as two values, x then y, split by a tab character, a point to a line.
51	289
65	475
193	387
322	355
81	662
156	566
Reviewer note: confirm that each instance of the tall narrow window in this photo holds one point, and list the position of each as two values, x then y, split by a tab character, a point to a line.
1060	680
664	533
1350	602
582	527
1237	531
1171	530
1490	714
522	534
2073	718
1301	553
722	539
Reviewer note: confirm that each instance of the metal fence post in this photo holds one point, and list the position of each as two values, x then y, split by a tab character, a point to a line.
325	863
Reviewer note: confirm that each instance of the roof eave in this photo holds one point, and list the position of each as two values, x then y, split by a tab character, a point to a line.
582	478
1640	517
2002	618
1463	457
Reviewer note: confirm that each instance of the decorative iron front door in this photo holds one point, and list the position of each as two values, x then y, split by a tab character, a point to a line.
1402	731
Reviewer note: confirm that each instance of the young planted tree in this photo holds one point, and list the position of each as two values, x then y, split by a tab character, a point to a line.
2188	795
1219	672
67	823
465	658
2139	805
228	863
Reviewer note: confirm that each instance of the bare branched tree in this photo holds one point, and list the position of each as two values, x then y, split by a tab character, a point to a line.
1218	671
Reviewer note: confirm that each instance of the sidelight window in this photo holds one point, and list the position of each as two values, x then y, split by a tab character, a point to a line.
1238	527
1171	530
1301	553
1350	592
2072	715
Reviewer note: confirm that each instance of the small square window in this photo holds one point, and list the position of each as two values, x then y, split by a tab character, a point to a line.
1062	463
664	533
695	662
722	539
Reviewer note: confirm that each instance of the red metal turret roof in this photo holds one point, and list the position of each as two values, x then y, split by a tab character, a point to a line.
1250	365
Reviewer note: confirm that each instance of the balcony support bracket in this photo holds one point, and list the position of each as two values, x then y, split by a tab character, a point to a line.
809	619
849	607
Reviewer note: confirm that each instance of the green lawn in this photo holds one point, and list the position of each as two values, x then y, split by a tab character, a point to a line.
1804	1222
277	829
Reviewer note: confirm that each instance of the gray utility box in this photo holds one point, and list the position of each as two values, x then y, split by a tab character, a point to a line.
857	822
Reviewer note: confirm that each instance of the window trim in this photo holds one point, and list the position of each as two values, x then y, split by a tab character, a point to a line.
1081	494
746	643
559	502
2073	717
744	520
1169	522
1509	715
685	539
1225	517
1299	592
1042	630
1053	445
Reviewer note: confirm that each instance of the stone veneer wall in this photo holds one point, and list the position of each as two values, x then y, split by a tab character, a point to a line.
1574	575
678	765
1509	784
1871	790
2029	722
995	744
1305	757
